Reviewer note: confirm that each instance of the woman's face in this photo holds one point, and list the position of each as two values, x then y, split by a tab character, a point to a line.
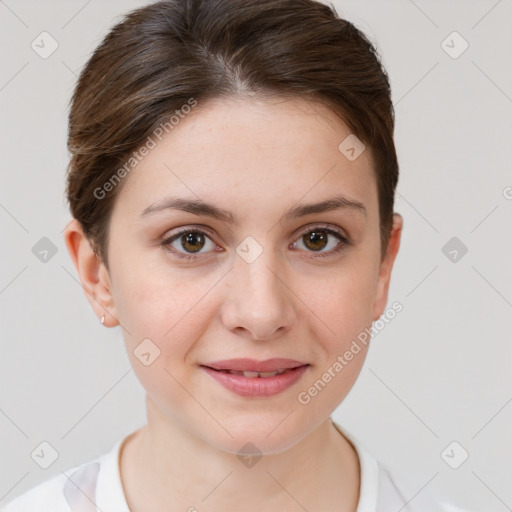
262	283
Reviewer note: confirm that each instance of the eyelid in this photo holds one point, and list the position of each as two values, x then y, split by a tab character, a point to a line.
330	227
173	234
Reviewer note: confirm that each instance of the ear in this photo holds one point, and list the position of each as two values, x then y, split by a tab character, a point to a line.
386	266
92	272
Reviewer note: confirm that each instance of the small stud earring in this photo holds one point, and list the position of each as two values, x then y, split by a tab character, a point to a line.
102	319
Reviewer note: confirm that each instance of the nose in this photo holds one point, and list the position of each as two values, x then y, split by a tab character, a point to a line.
259	302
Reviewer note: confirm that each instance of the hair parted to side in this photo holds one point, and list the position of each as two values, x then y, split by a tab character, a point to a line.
159	57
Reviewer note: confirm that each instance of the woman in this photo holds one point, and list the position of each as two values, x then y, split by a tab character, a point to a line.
231	183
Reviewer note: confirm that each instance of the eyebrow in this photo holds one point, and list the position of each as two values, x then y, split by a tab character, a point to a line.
201	208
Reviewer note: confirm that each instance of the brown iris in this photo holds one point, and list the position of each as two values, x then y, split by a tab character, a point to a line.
193	241
315	240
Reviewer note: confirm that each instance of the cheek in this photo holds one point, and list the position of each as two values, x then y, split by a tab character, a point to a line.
343	316
170	310
342	300
165	317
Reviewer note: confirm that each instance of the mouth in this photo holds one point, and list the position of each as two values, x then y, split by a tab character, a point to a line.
241	365
250	378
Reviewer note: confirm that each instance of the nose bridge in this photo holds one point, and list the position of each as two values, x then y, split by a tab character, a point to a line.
262	285
259	301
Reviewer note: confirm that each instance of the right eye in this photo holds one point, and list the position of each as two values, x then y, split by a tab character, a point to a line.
192	240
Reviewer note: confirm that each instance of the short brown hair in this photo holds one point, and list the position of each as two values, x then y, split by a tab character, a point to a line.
159	56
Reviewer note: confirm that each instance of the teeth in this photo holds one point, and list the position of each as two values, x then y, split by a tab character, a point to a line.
270	374
253	375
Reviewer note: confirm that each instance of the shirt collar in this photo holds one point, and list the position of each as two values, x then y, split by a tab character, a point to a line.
109	489
368	475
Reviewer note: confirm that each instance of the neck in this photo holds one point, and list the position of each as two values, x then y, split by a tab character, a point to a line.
163	467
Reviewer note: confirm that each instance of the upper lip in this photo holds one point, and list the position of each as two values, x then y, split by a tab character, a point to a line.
251	365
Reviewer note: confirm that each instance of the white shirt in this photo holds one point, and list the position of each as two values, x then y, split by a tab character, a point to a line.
97	483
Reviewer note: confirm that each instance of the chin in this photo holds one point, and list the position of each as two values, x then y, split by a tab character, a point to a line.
256	437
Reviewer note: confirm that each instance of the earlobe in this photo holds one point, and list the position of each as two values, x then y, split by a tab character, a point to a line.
92	273
386	267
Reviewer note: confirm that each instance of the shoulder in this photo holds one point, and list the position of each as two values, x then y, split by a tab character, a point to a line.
45	497
424	499
379	489
71	490
391	496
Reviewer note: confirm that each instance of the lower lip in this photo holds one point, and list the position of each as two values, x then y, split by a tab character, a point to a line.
257	386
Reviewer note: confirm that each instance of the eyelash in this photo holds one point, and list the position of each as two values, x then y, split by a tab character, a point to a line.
344	241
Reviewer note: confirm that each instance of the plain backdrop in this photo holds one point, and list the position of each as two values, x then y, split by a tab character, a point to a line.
439	373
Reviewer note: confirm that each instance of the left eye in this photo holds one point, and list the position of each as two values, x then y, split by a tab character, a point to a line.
318	238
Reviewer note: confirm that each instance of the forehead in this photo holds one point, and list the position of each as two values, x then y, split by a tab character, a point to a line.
271	151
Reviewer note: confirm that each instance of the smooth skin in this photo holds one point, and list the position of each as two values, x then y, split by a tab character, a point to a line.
255	158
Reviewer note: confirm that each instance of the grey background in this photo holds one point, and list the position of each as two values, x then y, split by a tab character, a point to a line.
439	372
